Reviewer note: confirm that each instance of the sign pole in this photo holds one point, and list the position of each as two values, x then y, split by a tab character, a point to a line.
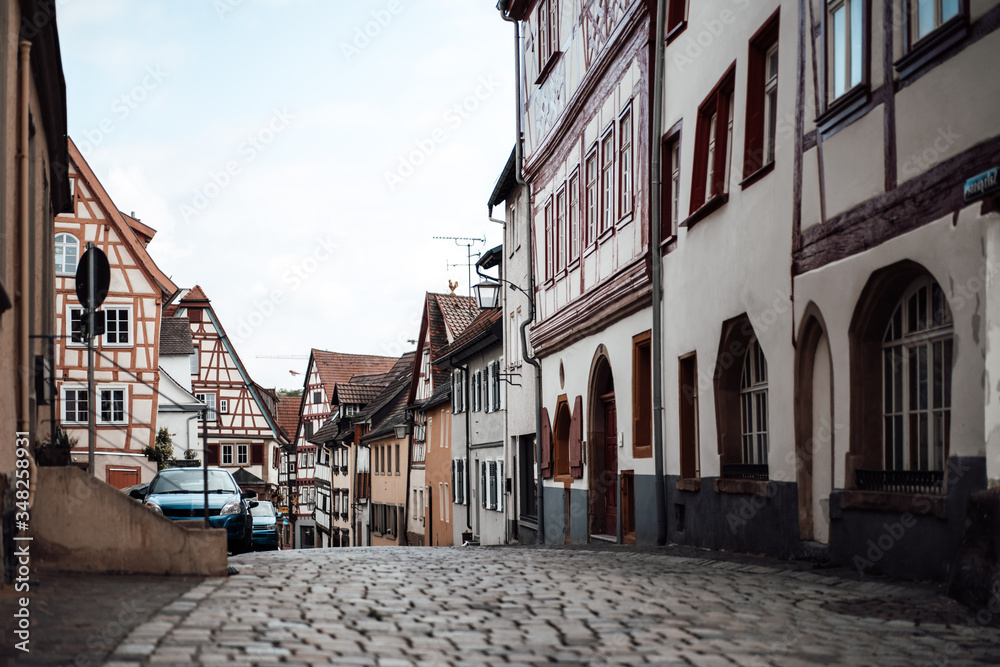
204	459
91	398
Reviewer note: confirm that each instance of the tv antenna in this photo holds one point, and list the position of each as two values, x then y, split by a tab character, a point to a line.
466	242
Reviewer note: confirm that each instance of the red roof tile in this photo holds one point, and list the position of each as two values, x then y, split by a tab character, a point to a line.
335	367
288	415
196	294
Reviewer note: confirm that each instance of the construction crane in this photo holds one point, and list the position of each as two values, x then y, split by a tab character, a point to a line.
282	356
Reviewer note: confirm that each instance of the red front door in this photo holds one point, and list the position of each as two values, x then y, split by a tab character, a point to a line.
610	468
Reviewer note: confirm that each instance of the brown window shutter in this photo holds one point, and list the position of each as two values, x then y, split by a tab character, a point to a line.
257	454
698	173
212	455
546	444
753	154
576	439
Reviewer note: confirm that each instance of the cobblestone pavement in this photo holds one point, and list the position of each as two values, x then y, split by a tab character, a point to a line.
464	606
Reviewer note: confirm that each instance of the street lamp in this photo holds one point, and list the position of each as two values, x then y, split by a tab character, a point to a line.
487	295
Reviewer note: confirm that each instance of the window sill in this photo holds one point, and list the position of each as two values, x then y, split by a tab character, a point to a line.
625	219
668	245
844	110
706	209
605	235
743	486
930	47
550	65
689	484
757	175
675	31
887	501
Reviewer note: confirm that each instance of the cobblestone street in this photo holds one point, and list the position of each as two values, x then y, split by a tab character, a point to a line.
462	606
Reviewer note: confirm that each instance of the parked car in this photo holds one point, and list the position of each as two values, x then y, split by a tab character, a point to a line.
136	491
265	526
178	493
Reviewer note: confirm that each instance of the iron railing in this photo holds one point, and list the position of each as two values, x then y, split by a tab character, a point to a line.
754	471
900	481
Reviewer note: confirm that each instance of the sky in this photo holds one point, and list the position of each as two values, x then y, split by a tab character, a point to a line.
296	157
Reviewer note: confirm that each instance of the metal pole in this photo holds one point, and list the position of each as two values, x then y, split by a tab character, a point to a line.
91	394
204	458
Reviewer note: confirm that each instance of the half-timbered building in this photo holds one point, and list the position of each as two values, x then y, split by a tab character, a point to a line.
584	100
126	364
324	371
239	428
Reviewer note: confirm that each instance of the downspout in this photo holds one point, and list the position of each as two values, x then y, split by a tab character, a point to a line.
656	261
24	63
519	176
468	451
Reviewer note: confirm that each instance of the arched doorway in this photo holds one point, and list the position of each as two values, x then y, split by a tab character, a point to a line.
603	451
814	450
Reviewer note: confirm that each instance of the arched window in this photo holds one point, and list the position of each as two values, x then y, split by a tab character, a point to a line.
753	404
67	254
916	380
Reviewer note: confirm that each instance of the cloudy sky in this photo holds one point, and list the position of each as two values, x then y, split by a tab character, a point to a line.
296	157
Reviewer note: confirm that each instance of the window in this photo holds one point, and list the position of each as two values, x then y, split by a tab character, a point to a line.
112	405
458	481
75	410
117	326
676	15
560	245
487	404
67	254
625	164
688	422
670	199
76	325
209	400
195	361
642	396
607	181
713	135
227	454
317	397
526	476
307	430
496	386
549	243
753	405
242	454
846	46
917	355
458	392
762	98
223	406
425	365
592	198
397	459
548	31
574	218
476	392
926	16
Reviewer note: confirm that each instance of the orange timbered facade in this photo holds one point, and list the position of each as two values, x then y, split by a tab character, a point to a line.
126	359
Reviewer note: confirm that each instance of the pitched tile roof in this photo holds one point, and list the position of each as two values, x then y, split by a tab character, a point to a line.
401	373
175	336
335	367
482	328
288	415
357	393
458	312
195	294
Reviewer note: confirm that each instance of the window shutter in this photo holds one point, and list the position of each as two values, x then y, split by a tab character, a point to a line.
501	485
212	455
576	439
753	153
257	454
493	485
454	490
698	194
482	486
466	483
546	444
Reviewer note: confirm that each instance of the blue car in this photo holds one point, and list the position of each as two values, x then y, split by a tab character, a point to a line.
265	526
178	493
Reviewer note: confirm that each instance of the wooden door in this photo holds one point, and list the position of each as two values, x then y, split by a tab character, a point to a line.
610	468
122	477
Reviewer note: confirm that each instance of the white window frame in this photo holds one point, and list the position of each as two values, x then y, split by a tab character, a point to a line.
130	323
208	398
63	245
754	405
226	450
64	401
243	454
195	361
99	396
223	406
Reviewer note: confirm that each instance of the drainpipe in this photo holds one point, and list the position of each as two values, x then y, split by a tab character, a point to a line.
468	451
656	261
24	53
519	176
